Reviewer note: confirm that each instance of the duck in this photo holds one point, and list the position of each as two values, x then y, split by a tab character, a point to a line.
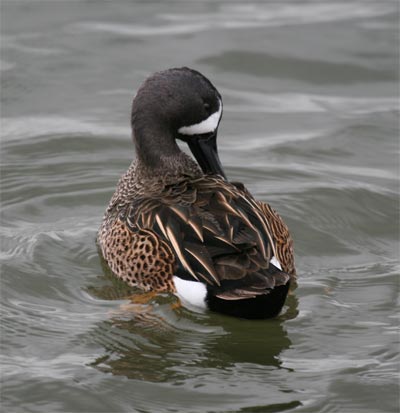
176	224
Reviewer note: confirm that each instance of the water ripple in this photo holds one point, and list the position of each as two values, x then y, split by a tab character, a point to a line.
16	128
240	17
308	103
310	126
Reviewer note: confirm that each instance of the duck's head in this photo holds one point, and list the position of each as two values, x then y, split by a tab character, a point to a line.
177	104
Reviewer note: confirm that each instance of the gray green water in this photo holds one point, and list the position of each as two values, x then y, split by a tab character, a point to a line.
310	125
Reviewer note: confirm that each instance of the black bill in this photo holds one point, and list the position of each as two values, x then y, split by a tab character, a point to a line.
204	149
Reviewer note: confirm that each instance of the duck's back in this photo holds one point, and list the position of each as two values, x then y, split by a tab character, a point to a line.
199	229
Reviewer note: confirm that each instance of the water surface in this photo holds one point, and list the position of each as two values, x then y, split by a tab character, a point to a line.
310	126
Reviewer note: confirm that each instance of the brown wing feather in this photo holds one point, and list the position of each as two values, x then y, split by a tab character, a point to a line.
280	231
284	242
217	231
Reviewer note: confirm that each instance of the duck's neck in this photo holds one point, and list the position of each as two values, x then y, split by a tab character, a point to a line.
159	156
152	142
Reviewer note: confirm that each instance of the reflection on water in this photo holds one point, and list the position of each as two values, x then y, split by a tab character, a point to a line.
310	125
169	344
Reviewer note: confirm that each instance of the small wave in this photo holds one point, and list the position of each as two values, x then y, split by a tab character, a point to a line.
326	364
140	30
14	43
14	128
241	16
4	65
309	103
21	241
255	142
59	367
282	14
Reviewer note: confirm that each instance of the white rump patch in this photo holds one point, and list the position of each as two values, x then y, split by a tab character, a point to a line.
193	292
275	262
206	126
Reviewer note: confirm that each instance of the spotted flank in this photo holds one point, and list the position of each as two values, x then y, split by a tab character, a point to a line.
176	225
139	258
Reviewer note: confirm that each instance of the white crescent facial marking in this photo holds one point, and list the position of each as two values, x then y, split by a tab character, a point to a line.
193	292
206	126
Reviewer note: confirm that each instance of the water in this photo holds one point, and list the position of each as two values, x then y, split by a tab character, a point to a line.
310	125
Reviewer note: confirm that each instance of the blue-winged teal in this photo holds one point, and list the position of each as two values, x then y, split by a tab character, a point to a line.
180	226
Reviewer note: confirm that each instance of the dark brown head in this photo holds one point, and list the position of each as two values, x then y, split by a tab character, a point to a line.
177	104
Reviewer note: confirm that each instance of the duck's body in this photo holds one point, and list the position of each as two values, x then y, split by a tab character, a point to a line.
171	227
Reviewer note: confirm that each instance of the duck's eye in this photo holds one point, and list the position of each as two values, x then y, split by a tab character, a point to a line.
206	107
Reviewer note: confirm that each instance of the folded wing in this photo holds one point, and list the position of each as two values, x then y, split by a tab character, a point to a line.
219	235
